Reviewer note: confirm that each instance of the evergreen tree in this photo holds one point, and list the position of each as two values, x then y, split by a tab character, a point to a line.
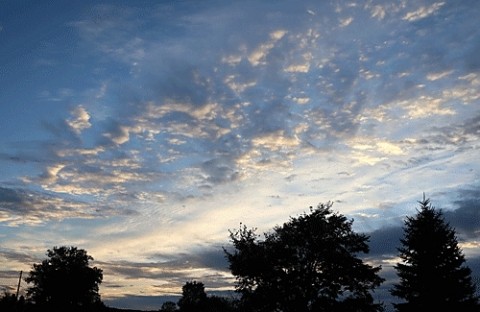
310	263
432	272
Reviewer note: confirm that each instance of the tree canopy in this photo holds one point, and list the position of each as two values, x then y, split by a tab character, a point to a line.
432	272
193	297
65	280
310	263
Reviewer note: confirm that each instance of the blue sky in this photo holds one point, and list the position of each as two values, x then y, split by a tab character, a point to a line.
142	131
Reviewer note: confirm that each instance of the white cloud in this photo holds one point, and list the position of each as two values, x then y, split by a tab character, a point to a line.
301	100
438	75
257	57
80	120
299	68
275	141
426	106
378	12
238	87
344	22
423	12
50	174
373	150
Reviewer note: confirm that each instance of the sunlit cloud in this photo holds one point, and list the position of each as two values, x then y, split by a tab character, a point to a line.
426	106
440	75
80	120
257	57
423	12
346	21
378	12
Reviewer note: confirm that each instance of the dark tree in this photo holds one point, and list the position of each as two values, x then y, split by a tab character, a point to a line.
8	302
310	263
65	281
169	306
432	273
193	297
220	304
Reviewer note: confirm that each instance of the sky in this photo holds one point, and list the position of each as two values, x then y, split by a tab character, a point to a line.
144	131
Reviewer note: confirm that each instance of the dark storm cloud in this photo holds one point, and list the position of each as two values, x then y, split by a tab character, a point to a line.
9	255
17	256
208	257
466	217
171	267
458	136
474	264
220	170
38	207
134	270
21	205
384	242
213	258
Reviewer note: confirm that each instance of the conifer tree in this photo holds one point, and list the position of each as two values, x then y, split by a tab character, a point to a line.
432	272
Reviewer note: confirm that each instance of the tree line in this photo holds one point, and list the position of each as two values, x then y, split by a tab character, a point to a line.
313	262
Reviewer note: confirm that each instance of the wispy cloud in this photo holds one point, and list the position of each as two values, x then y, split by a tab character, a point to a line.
423	12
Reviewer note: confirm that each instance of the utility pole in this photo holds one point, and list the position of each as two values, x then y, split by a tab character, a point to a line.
18	286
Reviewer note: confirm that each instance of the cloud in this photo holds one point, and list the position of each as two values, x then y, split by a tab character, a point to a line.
384	242
80	120
466	217
438	75
423	12
378	12
165	274
257	57
120	135
346	21
21	206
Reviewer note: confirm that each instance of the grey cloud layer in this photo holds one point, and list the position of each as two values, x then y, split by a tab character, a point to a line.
463	216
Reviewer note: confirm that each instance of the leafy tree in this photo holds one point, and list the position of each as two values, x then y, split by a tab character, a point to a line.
168	306
65	281
220	304
432	272
193	297
309	263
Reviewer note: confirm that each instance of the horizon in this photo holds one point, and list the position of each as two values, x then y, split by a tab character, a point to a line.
144	131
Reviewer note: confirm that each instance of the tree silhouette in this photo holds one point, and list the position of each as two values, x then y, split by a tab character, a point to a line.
8	302
168	306
432	271
65	281
309	263
193	297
